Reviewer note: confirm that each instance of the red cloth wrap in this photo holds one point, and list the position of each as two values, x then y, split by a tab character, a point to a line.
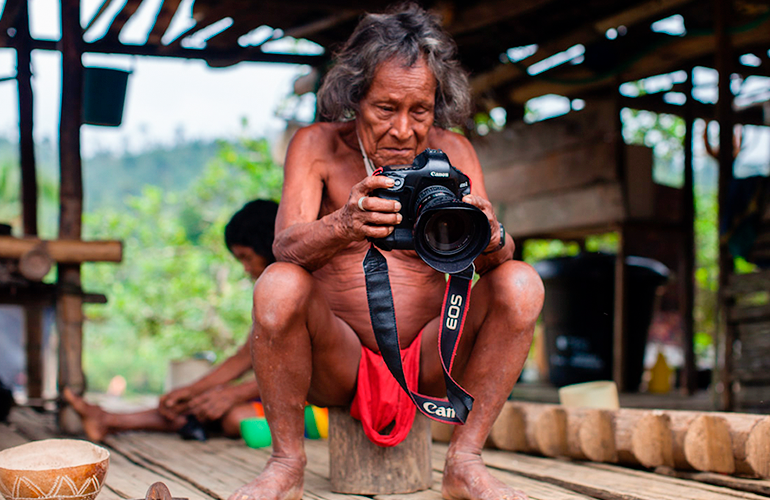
379	400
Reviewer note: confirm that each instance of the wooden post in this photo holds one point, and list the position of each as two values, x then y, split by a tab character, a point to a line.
33	319
619	318
722	16
687	255
69	308
620	308
26	141
358	466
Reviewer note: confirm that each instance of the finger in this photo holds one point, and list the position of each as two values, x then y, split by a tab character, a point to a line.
383	219
377	204
376	182
377	231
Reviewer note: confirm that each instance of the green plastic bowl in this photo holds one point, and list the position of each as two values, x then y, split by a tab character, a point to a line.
255	432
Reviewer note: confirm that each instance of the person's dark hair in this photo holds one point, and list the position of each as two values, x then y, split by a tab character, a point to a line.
253	226
406	32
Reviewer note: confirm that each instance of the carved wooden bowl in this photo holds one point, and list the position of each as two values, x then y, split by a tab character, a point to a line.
53	469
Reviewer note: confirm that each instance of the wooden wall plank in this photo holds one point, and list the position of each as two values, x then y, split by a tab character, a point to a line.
598	205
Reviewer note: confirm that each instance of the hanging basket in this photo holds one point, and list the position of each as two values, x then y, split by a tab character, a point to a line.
104	95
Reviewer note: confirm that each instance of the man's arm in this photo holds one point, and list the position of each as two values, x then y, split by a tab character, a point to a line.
301	237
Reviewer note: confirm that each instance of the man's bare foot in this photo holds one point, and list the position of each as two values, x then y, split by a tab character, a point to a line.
282	479
93	417
467	478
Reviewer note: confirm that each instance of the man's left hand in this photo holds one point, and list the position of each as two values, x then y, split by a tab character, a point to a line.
485	206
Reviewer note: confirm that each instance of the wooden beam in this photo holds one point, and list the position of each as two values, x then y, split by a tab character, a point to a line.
675	55
63	251
120	20
507	75
162	22
484	14
10	13
687	255
310	29
252	54
69	308
653	102
26	141
98	14
639	13
724	56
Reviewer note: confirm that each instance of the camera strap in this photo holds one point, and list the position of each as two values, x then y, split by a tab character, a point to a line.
455	408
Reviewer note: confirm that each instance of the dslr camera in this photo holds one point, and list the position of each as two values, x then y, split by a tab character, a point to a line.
446	233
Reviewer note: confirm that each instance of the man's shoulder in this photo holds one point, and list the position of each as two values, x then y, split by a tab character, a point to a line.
448	139
455	145
320	144
320	134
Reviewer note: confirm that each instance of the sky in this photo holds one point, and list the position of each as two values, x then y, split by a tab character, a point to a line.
167	98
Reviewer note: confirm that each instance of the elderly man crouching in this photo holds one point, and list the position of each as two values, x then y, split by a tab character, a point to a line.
395	89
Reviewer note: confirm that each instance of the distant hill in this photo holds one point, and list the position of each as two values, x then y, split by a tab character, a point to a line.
108	178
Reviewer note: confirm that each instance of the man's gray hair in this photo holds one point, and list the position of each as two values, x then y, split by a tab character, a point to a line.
407	33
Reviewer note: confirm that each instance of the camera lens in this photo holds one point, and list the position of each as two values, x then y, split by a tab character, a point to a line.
447	232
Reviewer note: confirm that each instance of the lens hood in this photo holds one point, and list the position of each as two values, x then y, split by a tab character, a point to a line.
449	234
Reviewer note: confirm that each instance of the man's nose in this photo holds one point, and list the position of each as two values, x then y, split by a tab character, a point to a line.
401	126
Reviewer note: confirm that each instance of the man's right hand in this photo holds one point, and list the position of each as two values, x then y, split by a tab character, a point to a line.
365	216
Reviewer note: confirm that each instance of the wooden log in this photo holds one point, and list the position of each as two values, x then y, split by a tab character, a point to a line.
545	428
509	430
591	435
36	263
65	251
358	466
643	438
751	444
702	442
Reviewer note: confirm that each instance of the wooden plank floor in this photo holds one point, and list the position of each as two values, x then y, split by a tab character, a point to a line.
214	469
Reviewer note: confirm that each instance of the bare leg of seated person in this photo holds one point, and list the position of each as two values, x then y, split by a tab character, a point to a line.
291	346
98	423
504	307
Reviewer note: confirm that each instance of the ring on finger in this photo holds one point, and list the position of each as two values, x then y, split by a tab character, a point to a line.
361	203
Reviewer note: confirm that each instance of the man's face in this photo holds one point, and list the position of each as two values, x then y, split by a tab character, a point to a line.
396	113
252	262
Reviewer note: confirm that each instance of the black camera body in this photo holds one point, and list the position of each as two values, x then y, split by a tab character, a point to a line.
447	233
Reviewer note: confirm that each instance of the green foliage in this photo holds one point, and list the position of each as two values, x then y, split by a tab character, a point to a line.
109	178
178	290
536	250
665	135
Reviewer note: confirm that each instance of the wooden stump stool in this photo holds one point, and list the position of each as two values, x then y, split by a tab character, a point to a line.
358	466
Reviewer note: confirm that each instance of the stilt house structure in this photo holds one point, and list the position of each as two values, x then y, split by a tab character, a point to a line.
564	178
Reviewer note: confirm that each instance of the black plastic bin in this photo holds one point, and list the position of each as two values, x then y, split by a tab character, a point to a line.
578	315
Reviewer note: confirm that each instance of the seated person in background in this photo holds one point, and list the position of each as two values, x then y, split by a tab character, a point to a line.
249	236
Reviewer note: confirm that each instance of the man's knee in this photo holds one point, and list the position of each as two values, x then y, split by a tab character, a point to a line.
516	286
281	293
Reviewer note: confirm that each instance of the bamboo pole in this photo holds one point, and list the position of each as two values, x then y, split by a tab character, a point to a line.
63	251
69	307
26	112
